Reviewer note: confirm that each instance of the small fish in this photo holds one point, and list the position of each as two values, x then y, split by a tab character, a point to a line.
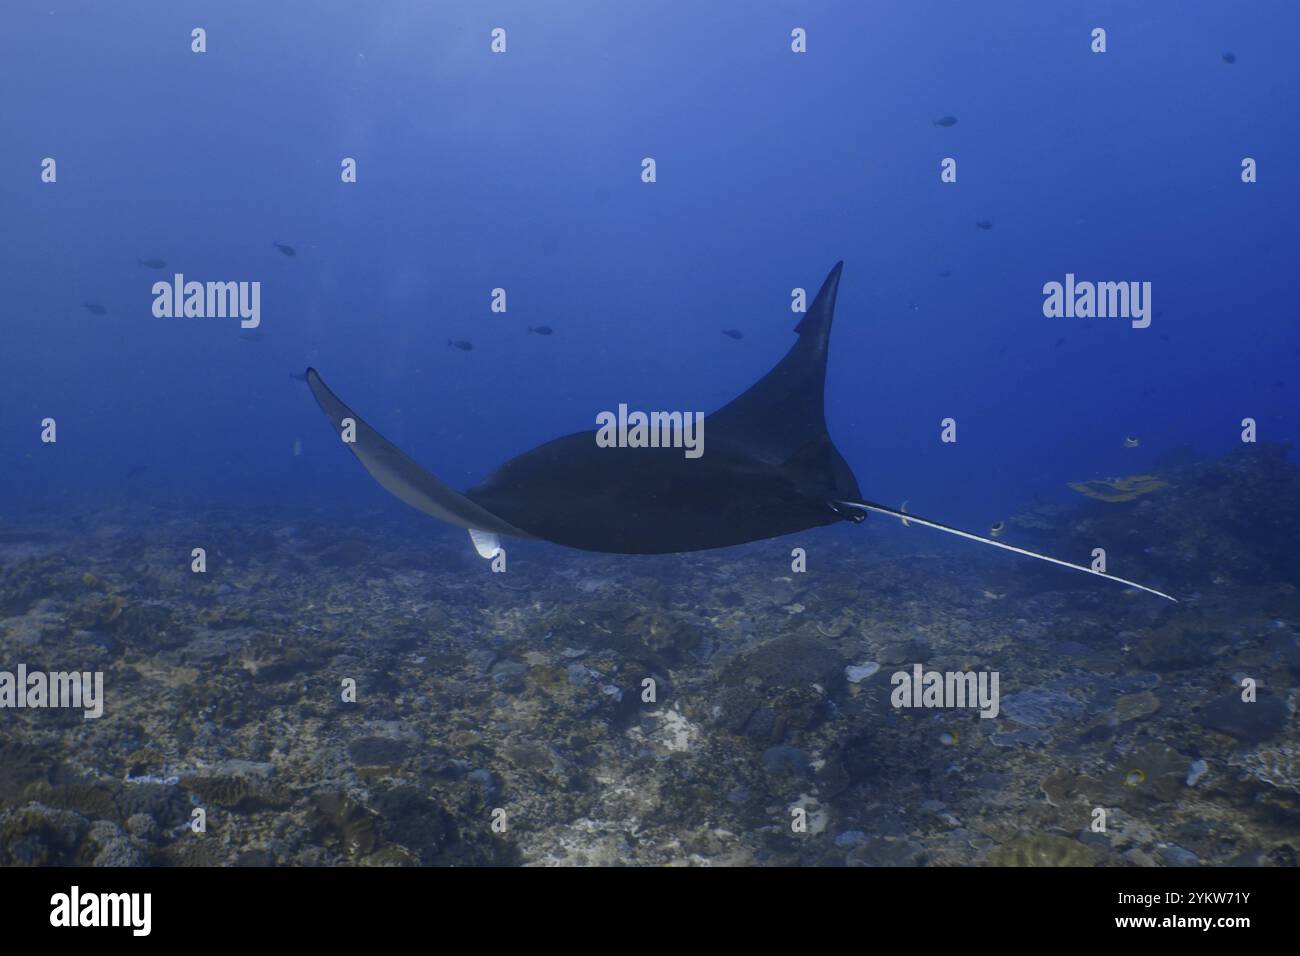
284	247
461	344
137	471
298	376
1131	442
1229	58
96	308
946	121
995	531
945	273
541	329
154	263
1163	337
297	448
733	333
983	223
1060	342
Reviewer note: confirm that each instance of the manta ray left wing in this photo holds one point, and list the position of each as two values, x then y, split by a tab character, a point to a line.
402	477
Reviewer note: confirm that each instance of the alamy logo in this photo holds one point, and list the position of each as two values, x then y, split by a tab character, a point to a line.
209	300
103	909
74	689
1099	300
951	689
653	430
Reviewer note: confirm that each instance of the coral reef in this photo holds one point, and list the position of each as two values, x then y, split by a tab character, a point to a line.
377	696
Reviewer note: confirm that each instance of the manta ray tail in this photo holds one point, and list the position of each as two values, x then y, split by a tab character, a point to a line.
909	518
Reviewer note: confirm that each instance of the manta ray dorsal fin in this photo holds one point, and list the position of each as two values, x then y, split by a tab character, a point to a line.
785	409
486	543
401	476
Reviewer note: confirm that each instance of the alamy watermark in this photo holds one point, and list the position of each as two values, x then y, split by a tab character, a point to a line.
130	910
652	430
1098	300
949	689
209	300
71	689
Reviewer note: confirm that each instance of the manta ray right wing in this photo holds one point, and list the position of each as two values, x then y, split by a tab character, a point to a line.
909	518
402	477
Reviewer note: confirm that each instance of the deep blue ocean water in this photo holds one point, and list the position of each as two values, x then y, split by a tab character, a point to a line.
522	171
128	158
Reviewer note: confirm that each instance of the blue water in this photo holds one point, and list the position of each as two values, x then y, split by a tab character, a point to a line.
522	171
183	439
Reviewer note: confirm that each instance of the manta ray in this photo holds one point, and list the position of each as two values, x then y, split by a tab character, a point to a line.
770	469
